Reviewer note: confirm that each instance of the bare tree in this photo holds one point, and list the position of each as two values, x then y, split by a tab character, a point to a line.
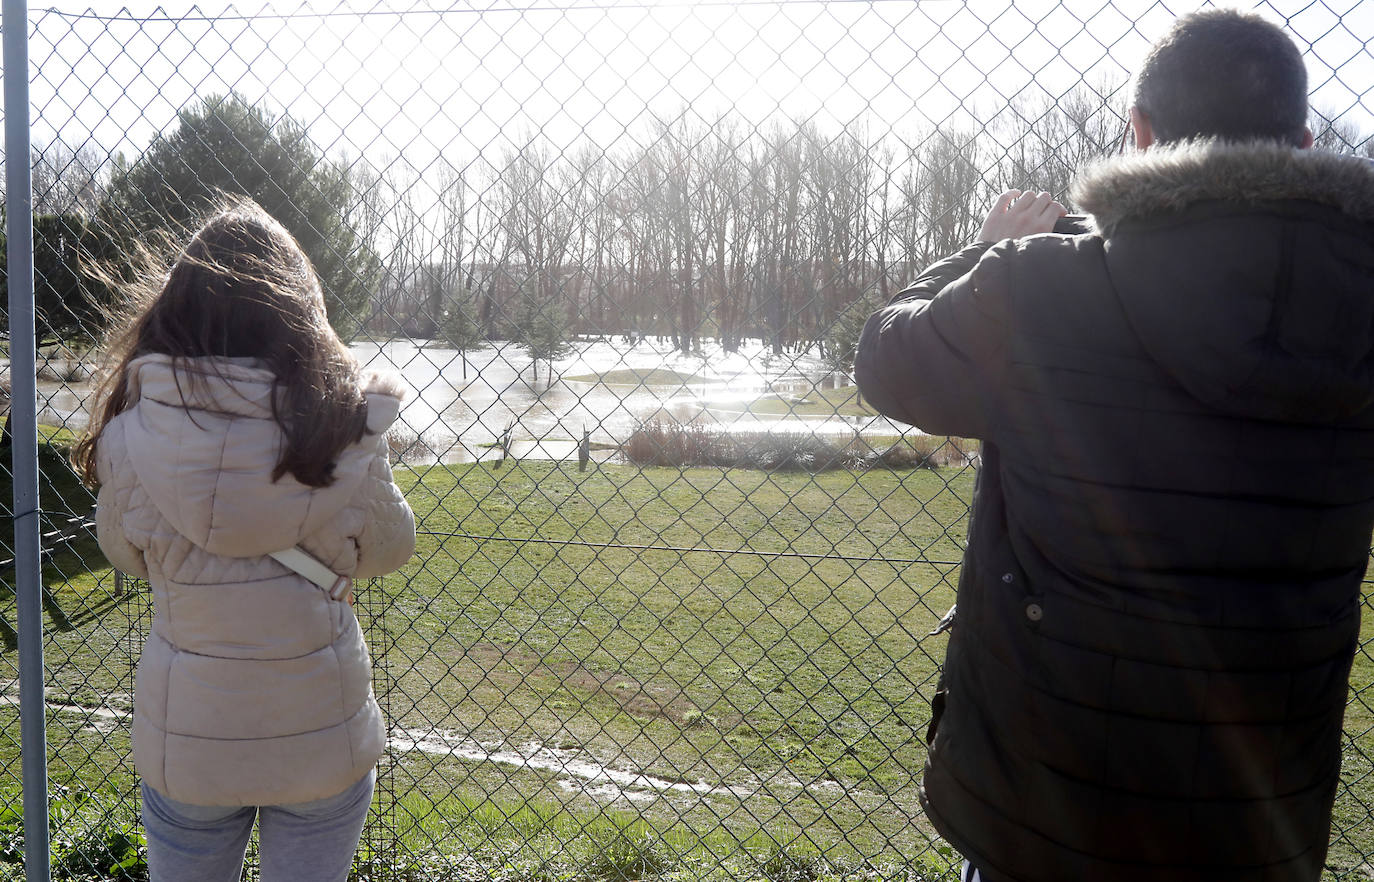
537	224
370	216
456	301
68	180
943	192
1042	146
723	230
639	214
1338	134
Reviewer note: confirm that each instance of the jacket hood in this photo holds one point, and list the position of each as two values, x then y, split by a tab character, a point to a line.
203	442
1246	270
1170	178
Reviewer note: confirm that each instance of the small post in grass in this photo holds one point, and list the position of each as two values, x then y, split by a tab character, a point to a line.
505	442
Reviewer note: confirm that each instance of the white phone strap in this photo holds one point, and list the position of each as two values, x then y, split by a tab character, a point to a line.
295	559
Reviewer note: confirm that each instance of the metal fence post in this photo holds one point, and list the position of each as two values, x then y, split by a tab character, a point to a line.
24	432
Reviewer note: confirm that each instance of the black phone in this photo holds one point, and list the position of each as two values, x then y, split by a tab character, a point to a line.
1073	224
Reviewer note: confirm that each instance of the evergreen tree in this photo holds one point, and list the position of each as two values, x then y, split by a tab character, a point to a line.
544	330
460	324
841	343
70	303
225	145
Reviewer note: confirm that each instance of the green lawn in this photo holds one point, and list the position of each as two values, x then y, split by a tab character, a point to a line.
639	377
818	402
754	647
571	610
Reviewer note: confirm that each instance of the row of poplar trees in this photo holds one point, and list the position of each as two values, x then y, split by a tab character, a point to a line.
692	230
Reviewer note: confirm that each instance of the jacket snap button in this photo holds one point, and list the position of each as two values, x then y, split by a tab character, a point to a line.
1008	578
1034	612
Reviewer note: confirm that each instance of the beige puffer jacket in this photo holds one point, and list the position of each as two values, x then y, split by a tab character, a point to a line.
254	687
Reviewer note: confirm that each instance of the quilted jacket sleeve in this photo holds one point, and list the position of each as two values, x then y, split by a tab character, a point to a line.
387	539
110	505
935	356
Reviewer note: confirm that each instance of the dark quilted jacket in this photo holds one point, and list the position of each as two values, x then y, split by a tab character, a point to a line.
1159	602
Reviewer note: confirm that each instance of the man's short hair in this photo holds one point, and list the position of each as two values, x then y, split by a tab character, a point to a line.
1224	74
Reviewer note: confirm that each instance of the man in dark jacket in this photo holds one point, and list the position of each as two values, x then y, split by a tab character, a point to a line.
1159	603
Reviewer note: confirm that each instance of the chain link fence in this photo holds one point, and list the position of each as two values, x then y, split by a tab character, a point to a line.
671	613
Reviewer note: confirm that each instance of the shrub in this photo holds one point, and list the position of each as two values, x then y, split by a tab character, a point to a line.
680	445
671	444
627	858
929	451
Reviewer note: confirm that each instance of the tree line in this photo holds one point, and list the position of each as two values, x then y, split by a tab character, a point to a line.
713	229
695	229
97	216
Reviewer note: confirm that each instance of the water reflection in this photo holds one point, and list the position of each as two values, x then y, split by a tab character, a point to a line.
598	390
605	388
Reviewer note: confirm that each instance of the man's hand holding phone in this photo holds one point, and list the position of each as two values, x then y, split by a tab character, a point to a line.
1020	213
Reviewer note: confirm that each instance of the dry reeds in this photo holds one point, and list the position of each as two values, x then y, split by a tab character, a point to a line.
63	364
680	445
930	451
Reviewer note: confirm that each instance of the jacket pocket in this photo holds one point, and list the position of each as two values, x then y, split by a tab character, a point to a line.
937	710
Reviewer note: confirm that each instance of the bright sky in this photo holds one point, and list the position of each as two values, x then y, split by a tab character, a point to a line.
469	80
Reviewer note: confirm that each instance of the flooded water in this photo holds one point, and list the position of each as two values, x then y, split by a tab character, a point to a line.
450	417
454	420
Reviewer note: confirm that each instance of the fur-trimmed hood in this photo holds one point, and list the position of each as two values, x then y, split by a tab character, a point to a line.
1247	272
1168	179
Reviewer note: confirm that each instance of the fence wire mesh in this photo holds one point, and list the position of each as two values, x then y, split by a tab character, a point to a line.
671	610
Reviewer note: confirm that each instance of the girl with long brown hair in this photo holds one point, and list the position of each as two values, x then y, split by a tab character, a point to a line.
234	428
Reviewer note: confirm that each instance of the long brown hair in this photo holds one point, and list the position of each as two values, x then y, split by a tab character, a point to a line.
242	287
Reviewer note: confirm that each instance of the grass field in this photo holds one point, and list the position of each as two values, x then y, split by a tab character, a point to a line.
818	402
624	674
766	690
